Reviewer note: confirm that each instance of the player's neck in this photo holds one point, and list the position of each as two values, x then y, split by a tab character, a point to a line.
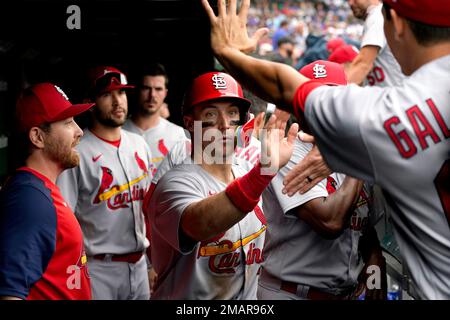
145	122
106	133
44	166
221	172
424	55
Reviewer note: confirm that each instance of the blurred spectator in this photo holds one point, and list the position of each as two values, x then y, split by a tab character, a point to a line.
316	50
282	32
284	52
309	23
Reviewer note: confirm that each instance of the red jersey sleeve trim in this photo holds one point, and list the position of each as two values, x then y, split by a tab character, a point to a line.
302	94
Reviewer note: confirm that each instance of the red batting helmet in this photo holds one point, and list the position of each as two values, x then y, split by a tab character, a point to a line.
329	73
214	86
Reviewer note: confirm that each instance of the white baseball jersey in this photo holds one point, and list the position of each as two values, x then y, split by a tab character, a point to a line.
399	138
106	191
386	71
179	153
224	267
160	138
295	252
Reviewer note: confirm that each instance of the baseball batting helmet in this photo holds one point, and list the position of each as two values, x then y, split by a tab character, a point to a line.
329	73
214	86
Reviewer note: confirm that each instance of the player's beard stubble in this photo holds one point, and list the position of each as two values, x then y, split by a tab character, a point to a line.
61	153
108	119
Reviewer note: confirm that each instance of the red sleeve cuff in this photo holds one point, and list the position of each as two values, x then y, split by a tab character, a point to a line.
302	94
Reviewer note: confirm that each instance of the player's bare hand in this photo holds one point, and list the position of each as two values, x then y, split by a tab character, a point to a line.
303	136
276	149
307	173
229	27
280	123
152	277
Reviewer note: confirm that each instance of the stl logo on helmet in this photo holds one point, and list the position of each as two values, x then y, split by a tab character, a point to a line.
319	71
219	82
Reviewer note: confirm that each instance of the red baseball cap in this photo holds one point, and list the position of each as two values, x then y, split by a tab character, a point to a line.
45	102
343	54
335	43
104	78
327	72
432	12
214	86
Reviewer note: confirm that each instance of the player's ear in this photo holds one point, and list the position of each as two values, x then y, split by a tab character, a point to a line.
399	24
36	136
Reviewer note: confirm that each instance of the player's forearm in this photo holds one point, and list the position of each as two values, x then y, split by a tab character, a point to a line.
341	204
213	215
207	218
329	216
273	82
362	64
359	71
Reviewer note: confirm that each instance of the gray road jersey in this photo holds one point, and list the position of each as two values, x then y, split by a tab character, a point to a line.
224	267
106	191
160	139
386	71
399	138
295	252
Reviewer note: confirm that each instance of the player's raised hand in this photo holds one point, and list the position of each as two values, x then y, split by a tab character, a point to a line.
229	27
259	123
276	149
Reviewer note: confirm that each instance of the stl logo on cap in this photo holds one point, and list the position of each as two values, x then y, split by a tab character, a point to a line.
319	71
62	92
219	82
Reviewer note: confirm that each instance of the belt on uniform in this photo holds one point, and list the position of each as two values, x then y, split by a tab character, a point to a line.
127	257
313	293
303	291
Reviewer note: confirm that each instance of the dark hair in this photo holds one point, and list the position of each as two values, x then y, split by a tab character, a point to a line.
284	23
425	34
284	40
154	69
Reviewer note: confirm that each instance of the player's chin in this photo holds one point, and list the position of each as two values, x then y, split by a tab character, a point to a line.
72	160
151	107
118	121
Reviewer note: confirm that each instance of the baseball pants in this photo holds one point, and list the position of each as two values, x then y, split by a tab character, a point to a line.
111	280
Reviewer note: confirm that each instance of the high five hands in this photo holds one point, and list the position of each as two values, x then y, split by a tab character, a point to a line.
229	27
